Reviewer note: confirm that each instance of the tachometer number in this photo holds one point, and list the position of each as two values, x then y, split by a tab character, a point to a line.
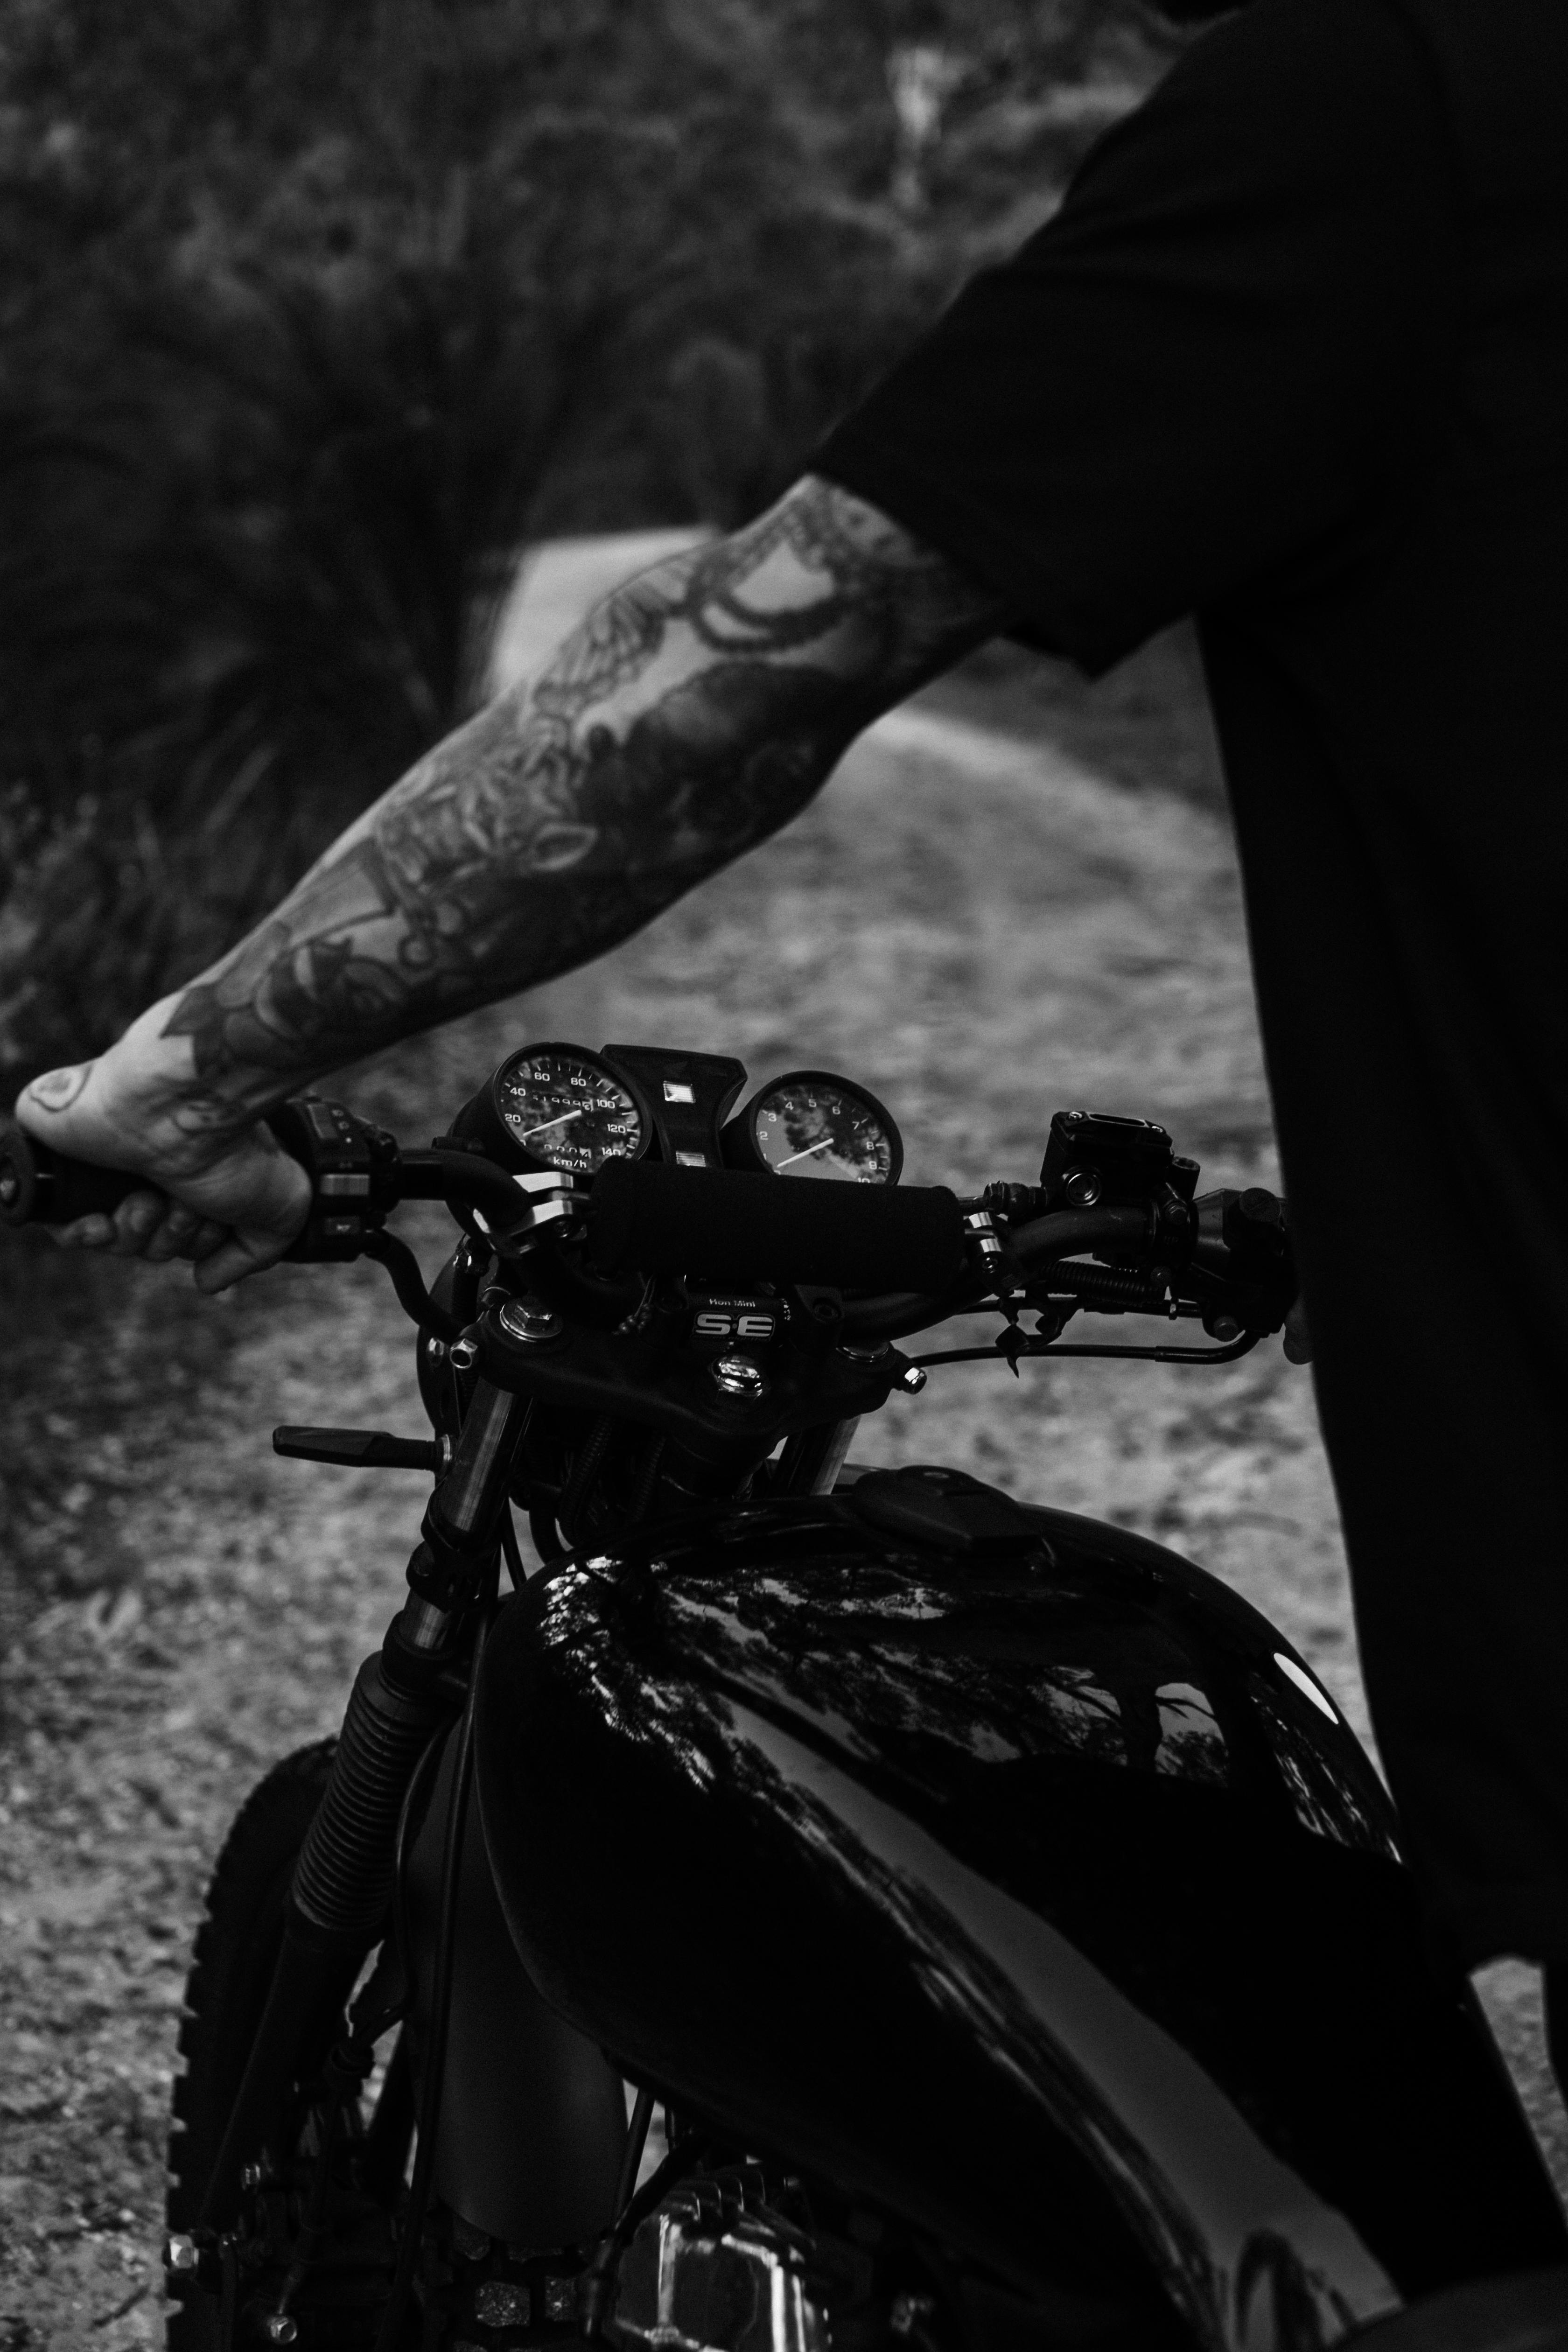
566	1112
814	1124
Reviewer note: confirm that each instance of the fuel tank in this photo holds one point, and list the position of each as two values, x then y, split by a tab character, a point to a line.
1016	1877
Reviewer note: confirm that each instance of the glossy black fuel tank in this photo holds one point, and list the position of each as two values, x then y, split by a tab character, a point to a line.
1024	1883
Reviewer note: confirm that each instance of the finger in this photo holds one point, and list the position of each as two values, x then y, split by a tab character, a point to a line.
136	1221
206	1238
94	1233
173	1236
232	1261
1297	1337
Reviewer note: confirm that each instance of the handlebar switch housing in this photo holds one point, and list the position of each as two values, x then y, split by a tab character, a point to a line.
1255	1224
354	1172
1241	1271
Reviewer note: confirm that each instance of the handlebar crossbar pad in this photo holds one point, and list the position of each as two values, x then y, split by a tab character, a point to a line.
731	1226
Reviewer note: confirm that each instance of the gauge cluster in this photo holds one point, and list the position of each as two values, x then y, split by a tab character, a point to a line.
568	1112
563	1108
811	1123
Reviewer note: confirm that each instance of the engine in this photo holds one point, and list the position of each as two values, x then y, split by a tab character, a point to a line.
715	2268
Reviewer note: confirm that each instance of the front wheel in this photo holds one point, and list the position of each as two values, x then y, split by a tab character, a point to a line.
223	2303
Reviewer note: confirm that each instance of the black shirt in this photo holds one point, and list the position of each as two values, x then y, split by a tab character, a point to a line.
1294	356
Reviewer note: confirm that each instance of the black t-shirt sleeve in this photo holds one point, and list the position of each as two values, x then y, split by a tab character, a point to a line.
1205	368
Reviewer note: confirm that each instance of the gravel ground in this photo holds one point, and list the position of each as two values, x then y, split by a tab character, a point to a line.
976	928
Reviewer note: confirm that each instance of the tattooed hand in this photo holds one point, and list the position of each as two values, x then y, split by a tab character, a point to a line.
58	1089
232	1209
693	713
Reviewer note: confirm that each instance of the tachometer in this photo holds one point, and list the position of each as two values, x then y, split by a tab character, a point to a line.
811	1123
562	1108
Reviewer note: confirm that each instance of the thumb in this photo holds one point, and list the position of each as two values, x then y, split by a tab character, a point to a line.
1297	1337
235	1257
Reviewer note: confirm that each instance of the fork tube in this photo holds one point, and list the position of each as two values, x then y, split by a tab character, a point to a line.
813	1458
343	1878
468	1499
343	1881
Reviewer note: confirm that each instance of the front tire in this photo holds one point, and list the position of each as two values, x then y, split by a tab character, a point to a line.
237	1950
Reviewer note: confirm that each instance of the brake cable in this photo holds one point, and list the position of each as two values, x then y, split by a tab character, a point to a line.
1011	1345
1060	1235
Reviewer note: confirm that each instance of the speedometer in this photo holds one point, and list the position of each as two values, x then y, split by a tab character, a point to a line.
811	1123
564	1110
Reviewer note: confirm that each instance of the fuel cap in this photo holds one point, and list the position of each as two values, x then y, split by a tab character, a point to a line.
945	1509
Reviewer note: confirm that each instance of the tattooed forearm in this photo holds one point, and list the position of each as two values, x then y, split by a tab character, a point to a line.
692	714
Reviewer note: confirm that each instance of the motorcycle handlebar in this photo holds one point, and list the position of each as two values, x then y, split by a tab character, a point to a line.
902	1252
40	1186
731	1226
463	1176
1065	1232
1061	1235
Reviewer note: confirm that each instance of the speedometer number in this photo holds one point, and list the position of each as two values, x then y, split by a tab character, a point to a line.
567	1113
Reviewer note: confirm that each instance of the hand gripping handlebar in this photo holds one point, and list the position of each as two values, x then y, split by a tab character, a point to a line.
357	1175
40	1187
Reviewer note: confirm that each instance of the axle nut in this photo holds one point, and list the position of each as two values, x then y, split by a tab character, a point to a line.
180	2256
464	1353
738	1378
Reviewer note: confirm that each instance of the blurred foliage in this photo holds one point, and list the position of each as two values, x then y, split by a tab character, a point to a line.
313	314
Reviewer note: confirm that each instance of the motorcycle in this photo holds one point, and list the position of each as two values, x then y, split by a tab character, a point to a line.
1001	1919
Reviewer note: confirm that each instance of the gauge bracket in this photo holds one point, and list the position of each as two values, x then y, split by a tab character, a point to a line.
687	1095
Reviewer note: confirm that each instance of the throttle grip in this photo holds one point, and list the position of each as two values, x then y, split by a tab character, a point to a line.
39	1186
737	1227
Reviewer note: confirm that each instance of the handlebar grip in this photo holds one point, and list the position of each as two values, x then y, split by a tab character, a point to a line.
732	1226
41	1187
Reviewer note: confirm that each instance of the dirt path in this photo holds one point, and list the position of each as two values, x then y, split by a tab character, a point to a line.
977	931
